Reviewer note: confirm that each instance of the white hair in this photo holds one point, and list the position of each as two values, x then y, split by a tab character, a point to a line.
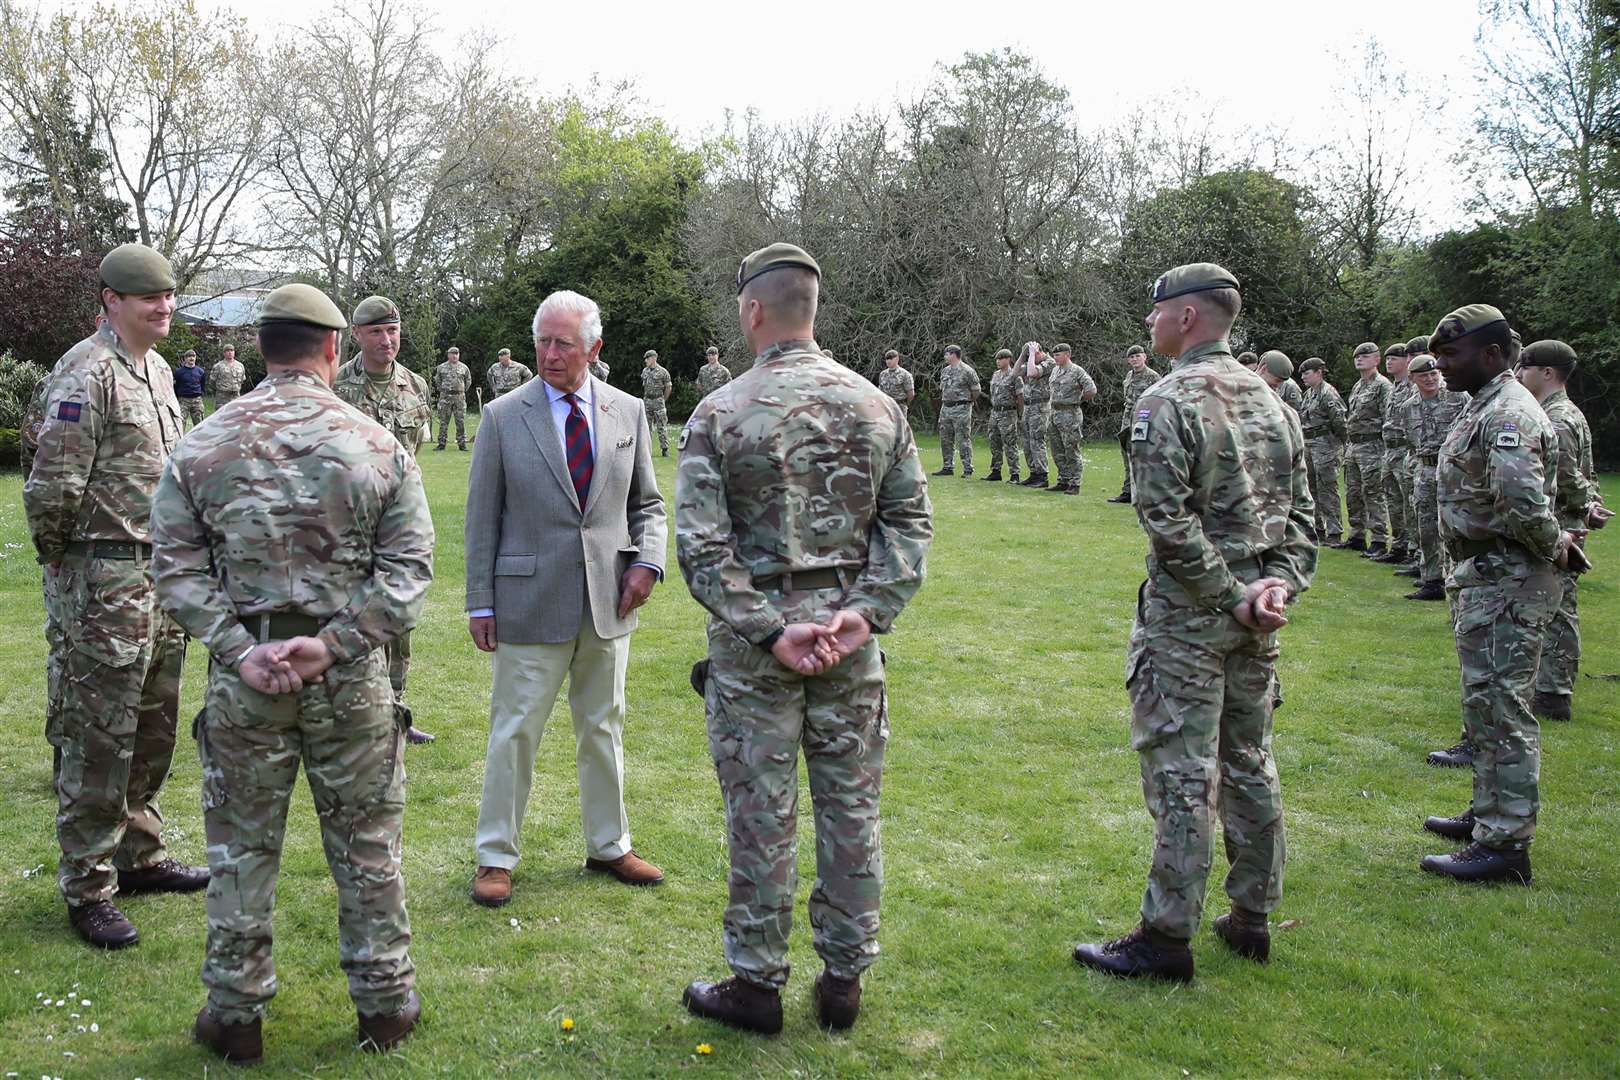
572	303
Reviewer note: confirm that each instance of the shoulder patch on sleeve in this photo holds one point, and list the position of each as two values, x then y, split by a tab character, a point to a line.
686	433
1507	438
68	411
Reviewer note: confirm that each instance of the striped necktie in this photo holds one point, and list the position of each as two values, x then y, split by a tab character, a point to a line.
577	439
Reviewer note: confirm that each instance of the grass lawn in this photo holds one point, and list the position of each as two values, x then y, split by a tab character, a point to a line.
1013	823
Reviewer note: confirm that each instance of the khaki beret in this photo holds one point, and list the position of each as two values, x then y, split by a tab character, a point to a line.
300	303
1315	363
1192	278
375	309
891	352
649	353
1423	364
1003	352
1549	353
1366	348
136	270
1277	362
774	257
1464	321
1061	347
1136	350
1248	357
1397	349
504	352
712	350
189	352
1417	345
957	349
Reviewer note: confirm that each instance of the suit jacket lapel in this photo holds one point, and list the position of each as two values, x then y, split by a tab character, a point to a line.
538	418
606	426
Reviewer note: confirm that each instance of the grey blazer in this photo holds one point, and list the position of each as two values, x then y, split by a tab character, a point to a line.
533	554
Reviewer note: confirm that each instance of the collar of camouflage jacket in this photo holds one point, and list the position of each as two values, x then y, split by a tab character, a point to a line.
1494	387
1204	351
782	348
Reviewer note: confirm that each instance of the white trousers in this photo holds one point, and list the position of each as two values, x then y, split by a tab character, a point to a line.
527	679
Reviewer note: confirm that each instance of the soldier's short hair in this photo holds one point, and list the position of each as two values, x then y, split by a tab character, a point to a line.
790	293
955	350
1226	304
288	342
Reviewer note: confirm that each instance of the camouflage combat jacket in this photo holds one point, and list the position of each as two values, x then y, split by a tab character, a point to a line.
1364	416
958	383
400	404
452	379
712	377
1069	384
1131	390
655	383
1322	412
1577	482
897	383
1497	477
1005	387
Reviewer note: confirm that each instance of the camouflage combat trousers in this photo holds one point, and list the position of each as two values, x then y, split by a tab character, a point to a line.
956	433
1504	605
1004	440
1398	495
345	733
1200	685
1037	419
1426	511
120	699
1326	456
398	653
1561	644
658	420
1125	459
760	715
56	648
192	409
223	398
453	407
1364	491
1067	424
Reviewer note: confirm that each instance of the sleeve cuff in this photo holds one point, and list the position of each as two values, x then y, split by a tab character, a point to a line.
233	645
479	599
654	567
1230	598
481	613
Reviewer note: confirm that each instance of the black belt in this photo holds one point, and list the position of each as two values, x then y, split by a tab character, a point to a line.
1009	408
802	580
1366	438
281	625
1429	459
1064	405
947	404
1468	549
110	549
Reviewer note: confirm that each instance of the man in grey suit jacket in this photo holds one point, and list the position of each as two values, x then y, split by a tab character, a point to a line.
565	539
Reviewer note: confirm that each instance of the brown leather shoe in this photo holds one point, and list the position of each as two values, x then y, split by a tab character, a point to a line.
629	868
1246	933
102	925
242	1044
380	1033
168	876
738	1003
837	1001
492	886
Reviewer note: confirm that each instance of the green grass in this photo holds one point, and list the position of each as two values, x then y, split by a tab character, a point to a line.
1013	823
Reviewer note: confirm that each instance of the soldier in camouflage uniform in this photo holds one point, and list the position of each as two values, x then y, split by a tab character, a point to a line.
1217	463
1497	487
958	390
1322	422
397	398
1398	459
55	637
451	381
1364	464
1071	388
1037	372
713	374
324	560
1278	371
1137	380
896	381
1544	369
798	561
189	379
656	386
1006	398
225	378
1428	417
506	374
599	369
111	422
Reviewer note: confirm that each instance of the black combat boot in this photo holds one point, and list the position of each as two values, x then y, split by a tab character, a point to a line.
1478	863
170	875
993	474
838	1001
737	1002
1551	706
1140	953
1411	570
1122	497
102	925
1354	543
1459	828
946	471
1058	486
1245	933
439	447
967	471
1429	590
1013	479
1072	489
382	1033
242	1044
1036	479
1375	552
1453	757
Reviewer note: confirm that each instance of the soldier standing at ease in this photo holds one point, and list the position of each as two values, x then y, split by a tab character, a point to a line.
1218	467
896	381
55	639
799	559
293	539
1398	458
1006	398
225	378
599	368
1497	521
1071	388
111	421
1137	380
656	386
1429	417
1544	369
958	390
1277	371
451	381
188	387
1037	413
1364	464
397	398
505	374
713	374
1322	422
